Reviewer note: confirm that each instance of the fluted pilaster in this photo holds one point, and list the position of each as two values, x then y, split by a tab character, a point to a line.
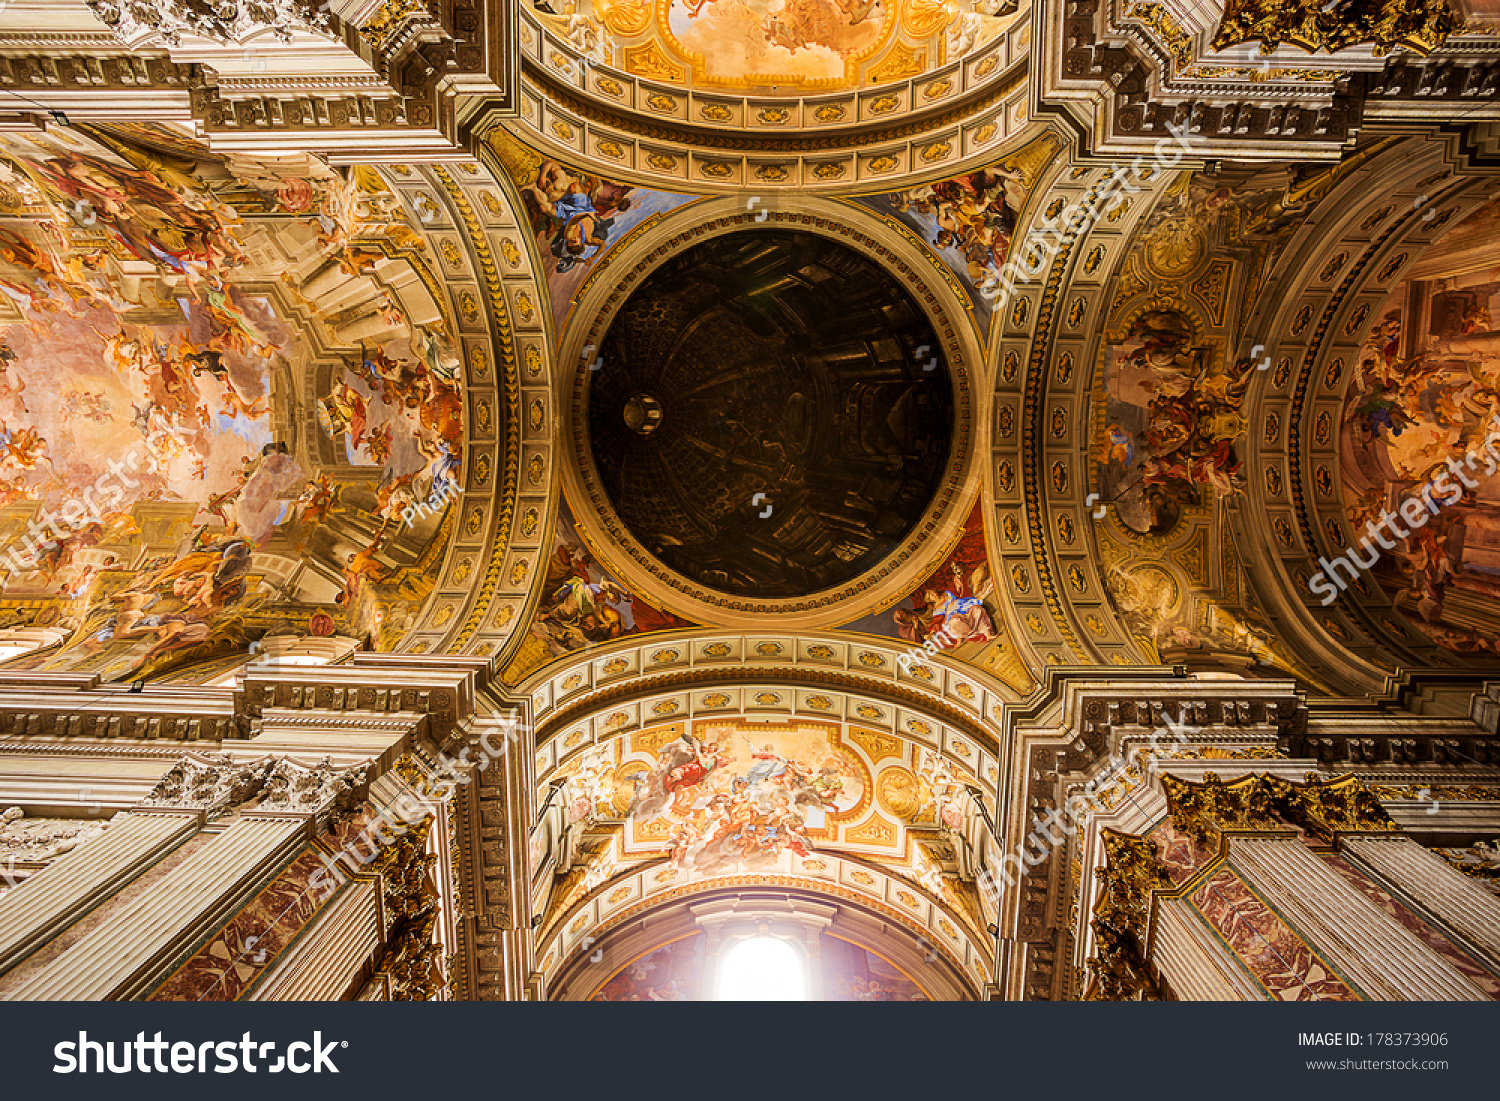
1368	946
127	953
1466	910
59	894
1196	964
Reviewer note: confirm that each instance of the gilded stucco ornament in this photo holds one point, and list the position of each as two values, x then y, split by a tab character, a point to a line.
1257	804
1131	872
1418	25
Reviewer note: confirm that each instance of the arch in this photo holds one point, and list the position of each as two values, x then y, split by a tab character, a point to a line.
709	920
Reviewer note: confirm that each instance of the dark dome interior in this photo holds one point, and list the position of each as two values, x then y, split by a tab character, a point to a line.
780	364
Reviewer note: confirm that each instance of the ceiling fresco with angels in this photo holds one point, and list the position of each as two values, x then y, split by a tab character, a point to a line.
1422	407
792	47
688	803
222	383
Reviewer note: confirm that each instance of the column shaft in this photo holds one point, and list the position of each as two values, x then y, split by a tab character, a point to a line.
1465	909
124	956
61	893
1367	945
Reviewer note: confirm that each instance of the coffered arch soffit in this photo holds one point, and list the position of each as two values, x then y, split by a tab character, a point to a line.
1345	277
628	117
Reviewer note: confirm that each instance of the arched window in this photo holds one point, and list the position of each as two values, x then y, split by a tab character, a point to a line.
291	650
16	641
762	969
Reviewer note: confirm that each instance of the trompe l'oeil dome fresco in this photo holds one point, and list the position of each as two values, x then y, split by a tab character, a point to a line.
770	415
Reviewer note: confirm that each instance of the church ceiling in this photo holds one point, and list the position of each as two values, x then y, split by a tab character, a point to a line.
828	417
799	47
235	398
777	368
1423	400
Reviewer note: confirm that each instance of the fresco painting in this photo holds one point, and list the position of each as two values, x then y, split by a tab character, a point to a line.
778	45
1427	393
671	973
1173	417
583	605
577	216
967	221
852	973
738	796
155	494
955	611
956	599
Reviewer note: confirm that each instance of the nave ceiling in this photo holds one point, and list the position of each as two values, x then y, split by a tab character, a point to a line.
522	395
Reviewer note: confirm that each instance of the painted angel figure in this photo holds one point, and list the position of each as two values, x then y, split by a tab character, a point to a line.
578	211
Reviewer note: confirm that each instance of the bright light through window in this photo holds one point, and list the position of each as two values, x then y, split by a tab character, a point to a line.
762	969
